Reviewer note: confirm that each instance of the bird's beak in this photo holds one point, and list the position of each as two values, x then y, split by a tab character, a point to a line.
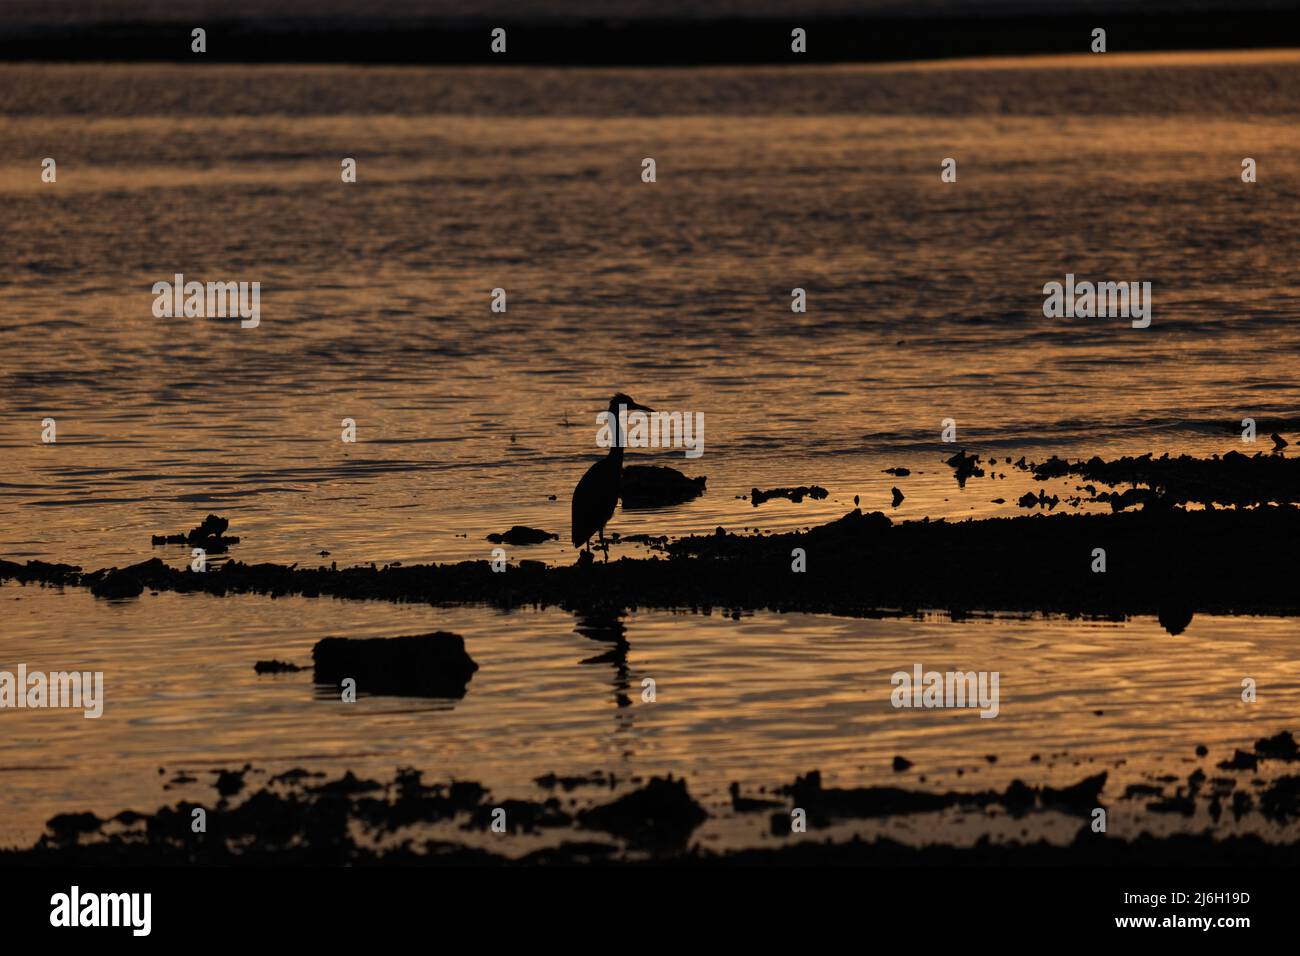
634	407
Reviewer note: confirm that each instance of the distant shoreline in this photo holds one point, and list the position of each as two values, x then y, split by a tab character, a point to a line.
643	42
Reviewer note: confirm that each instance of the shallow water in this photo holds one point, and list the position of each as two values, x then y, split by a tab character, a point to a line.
925	298
756	700
924	304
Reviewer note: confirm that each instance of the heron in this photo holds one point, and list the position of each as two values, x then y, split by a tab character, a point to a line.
596	495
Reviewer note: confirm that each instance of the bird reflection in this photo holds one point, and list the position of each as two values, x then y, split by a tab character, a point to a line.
606	626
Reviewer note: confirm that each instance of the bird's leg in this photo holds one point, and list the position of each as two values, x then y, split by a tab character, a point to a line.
604	545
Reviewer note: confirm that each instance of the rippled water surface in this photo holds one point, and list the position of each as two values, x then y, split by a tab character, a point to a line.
756	700
925	303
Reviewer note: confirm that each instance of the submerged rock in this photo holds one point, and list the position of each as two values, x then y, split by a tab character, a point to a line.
965	466
1279	747
276	667
522	535
816	492
598	779
652	486
1240	761
424	665
209	534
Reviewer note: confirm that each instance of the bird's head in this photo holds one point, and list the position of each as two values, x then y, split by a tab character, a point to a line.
627	402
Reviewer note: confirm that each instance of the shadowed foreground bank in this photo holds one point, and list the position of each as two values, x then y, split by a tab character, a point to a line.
295	820
1164	561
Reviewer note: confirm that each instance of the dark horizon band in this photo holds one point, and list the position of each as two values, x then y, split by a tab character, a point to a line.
613	42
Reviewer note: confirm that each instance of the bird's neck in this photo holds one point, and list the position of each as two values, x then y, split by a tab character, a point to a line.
616	449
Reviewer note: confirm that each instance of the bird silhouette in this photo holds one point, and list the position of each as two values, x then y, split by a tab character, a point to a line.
1278	441
596	495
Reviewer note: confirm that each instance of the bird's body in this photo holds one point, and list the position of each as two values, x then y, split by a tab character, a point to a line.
596	496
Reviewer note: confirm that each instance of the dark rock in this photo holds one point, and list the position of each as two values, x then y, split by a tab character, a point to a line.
425	665
1080	797
68	826
1240	761
522	535
660	812
748	804
295	775
127	582
550	781
1174	618
276	667
117	584
654	486
796	495
209	534
965	466
1280	747
1230	480
1281	801
230	782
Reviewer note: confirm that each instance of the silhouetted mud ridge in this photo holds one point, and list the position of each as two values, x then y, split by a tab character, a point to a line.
662	813
1231	480
1169	562
825	805
345	821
